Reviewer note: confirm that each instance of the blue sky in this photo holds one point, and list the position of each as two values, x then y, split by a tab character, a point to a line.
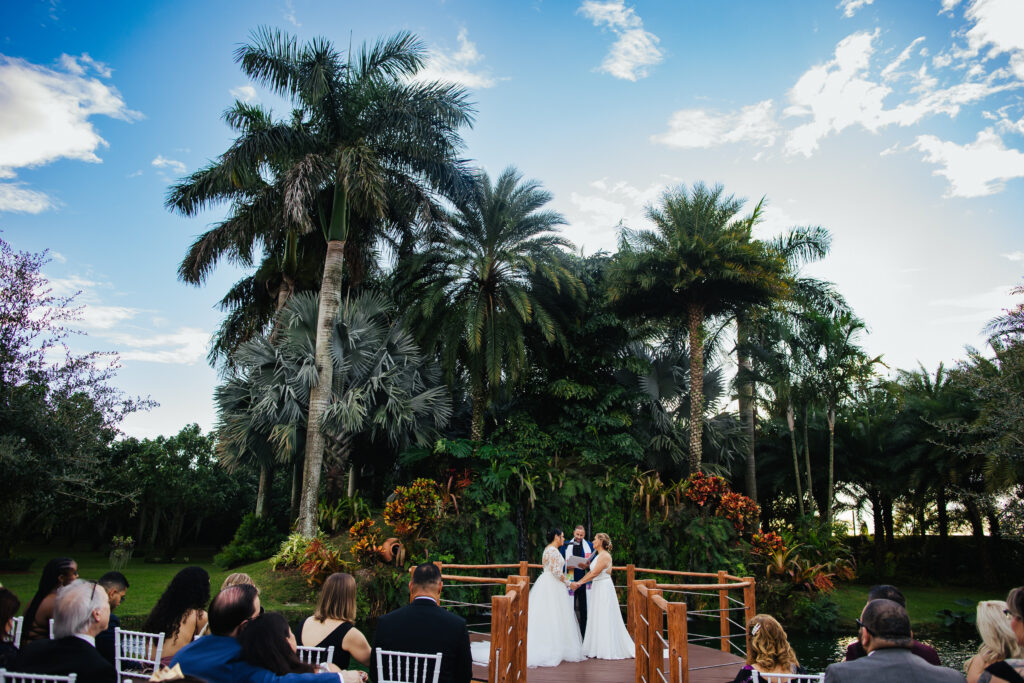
897	125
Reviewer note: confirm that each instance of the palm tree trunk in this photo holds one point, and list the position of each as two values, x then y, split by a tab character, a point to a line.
943	524
296	479
830	489
478	399
263	492
695	312
807	459
320	396
791	423
746	401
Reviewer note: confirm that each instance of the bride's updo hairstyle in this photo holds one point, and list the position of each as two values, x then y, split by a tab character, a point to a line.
554	532
606	541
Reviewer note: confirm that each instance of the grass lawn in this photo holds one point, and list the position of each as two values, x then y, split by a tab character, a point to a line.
280	592
922	603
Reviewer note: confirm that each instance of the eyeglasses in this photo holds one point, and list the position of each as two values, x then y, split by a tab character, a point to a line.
860	624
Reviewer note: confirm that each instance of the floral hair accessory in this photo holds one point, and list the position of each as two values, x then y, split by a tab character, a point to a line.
753	631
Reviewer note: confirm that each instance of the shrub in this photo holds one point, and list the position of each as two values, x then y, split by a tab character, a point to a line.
366	541
738	509
320	561
292	552
255	539
414	508
705	491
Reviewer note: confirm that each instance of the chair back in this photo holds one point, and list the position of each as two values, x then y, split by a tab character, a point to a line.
310	654
15	677
51	629
756	676
19	622
136	653
407	667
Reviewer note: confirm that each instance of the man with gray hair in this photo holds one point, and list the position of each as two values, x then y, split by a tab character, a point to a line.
80	613
884	630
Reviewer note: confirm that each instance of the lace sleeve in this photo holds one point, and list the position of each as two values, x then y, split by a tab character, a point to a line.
553	563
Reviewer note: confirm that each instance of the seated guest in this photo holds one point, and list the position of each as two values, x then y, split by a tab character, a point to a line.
180	613
58	572
116	586
1010	670
884	630
997	639
80	613
425	627
268	642
216	658
333	622
238	579
9	604
770	652
926	652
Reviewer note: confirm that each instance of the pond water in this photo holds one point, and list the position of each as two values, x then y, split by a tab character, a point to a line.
816	651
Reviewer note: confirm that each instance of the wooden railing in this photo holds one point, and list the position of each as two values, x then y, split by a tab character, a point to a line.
654	622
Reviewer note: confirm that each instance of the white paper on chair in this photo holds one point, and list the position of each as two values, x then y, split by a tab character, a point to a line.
480	651
574	561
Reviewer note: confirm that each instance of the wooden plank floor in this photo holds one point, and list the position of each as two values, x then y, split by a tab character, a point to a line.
622	671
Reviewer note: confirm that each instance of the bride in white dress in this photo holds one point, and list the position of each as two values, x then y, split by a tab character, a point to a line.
552	634
607	637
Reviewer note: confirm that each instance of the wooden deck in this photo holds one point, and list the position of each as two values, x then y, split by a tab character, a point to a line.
724	669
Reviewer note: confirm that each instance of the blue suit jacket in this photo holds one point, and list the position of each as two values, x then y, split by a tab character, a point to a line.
215	660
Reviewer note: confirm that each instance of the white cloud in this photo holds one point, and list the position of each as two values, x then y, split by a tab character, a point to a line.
1015	256
702	128
97	317
889	72
16	198
459	66
172	164
184	347
948	5
981	306
45	115
634	50
976	169
850	7
289	14
597	211
245	93
58	257
135	174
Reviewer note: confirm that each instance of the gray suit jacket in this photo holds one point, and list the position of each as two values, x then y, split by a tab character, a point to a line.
891	665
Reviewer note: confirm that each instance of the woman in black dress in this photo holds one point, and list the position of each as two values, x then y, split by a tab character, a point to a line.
333	622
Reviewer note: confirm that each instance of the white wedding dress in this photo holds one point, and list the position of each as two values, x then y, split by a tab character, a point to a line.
552	634
607	637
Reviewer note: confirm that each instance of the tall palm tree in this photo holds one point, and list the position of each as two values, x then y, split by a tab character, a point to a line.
373	133
699	262
498	248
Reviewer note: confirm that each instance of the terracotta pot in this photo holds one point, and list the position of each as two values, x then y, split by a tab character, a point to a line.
391	549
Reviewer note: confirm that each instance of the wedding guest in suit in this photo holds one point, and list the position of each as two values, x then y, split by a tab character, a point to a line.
116	586
885	592
81	611
1009	670
333	622
60	571
579	547
998	641
884	630
9	604
424	626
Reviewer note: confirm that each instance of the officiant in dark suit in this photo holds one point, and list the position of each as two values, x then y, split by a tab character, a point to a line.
579	547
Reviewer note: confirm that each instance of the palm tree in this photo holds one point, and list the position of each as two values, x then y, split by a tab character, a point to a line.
383	387
699	262
374	134
481	296
839	364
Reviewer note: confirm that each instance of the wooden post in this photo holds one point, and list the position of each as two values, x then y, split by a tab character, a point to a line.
522	616
631	600
749	607
679	660
499	650
524	568
655	650
640	635
723	615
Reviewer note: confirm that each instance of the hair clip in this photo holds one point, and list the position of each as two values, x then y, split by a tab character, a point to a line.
753	631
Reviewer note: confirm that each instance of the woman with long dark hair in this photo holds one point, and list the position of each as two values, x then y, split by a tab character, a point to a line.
268	642
180	613
60	571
